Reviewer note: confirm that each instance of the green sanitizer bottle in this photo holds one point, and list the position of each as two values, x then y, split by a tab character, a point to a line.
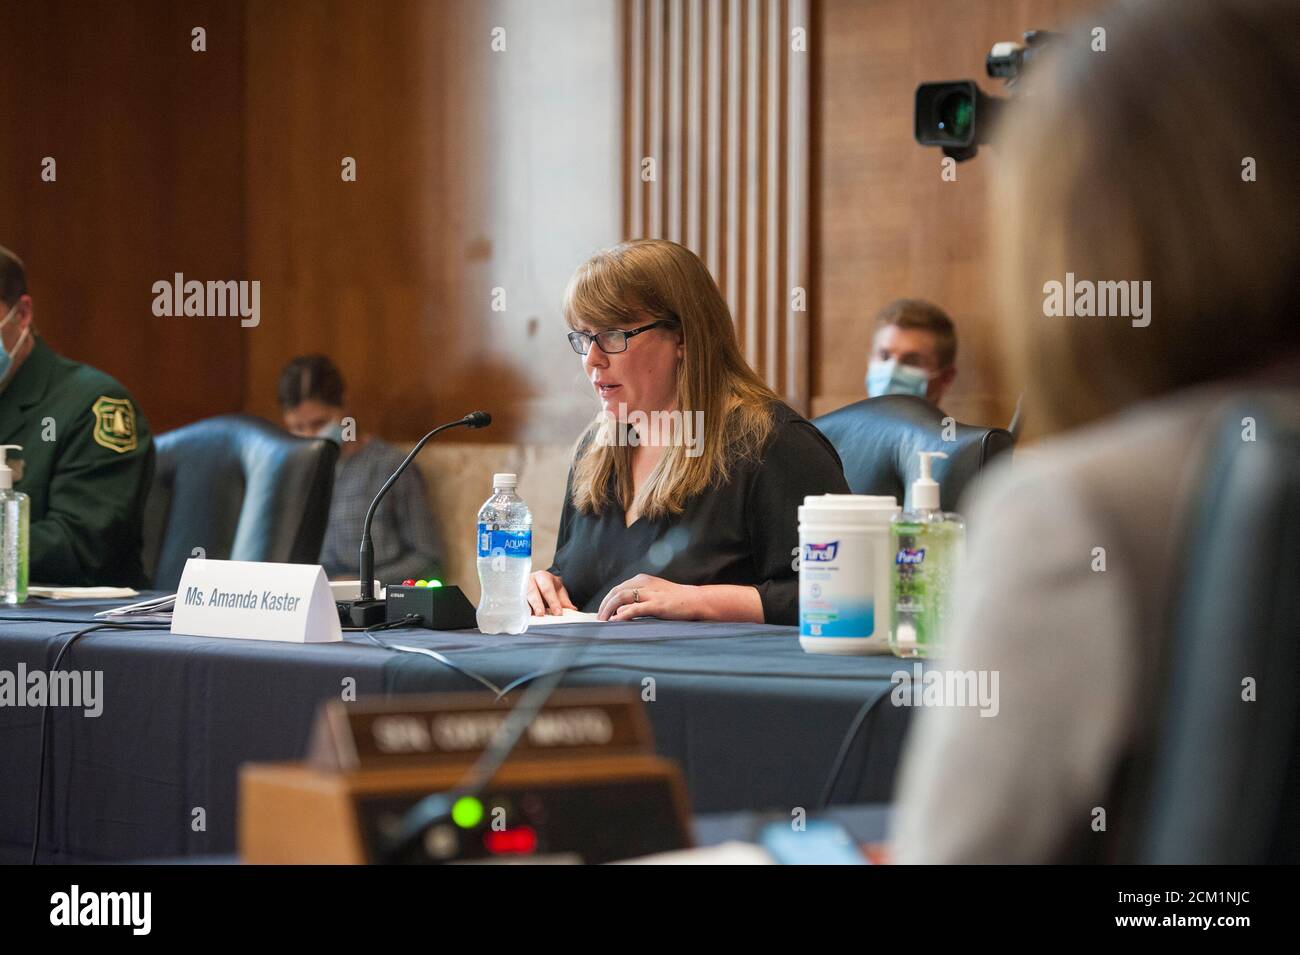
927	545
15	515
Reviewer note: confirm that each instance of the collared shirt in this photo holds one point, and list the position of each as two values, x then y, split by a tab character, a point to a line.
87	462
406	542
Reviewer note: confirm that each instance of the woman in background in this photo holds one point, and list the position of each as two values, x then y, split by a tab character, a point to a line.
312	402
1160	160
697	523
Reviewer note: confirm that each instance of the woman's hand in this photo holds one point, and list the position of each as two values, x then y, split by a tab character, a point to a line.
546	594
646	596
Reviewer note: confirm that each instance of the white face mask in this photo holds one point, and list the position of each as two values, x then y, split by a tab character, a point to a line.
891	378
332	432
7	356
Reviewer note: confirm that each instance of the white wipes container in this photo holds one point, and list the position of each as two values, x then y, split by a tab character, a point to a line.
844	583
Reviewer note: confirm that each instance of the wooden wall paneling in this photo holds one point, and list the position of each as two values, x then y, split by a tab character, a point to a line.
714	140
635	43
146	136
478	170
749	184
775	76
711	98
799	206
676	133
731	183
656	90
695	121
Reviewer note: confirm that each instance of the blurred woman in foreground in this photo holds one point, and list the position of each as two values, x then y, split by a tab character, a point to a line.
1169	158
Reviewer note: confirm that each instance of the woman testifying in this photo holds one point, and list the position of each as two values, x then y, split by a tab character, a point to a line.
682	497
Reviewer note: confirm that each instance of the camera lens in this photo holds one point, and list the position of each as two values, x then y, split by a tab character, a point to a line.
956	114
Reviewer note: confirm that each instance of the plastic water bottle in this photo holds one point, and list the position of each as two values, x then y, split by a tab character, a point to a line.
15	515
505	558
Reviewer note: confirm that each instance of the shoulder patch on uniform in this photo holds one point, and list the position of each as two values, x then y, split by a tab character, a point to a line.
114	423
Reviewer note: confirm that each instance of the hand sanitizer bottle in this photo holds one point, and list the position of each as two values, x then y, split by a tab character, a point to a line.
927	544
15	514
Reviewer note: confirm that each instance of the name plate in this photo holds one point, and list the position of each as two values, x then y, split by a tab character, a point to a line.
400	731
249	600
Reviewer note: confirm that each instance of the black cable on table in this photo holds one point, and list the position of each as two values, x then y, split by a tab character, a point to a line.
842	756
25	618
45	717
413	619
654	668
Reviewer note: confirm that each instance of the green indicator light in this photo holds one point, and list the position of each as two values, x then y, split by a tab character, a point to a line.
434	582
467	812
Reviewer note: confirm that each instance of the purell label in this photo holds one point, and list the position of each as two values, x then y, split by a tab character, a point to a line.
820	553
835	587
910	556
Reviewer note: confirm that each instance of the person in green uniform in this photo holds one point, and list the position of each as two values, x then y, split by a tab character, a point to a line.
87	455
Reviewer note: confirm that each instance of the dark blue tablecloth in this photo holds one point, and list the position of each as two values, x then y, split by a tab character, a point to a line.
753	720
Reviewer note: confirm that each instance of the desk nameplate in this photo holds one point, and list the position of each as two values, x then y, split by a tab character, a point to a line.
455	728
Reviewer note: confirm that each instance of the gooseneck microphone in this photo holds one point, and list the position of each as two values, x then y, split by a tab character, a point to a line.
366	611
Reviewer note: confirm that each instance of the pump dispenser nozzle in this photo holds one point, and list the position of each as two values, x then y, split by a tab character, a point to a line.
6	472
925	489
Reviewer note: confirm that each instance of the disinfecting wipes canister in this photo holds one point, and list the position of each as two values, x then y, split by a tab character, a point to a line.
844	564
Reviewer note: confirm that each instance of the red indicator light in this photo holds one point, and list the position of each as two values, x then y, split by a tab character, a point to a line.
408	583
521	840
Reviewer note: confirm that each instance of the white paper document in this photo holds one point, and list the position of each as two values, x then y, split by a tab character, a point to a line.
82	593
154	610
569	616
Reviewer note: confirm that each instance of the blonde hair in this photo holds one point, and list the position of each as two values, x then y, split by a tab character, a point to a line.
1128	166
656	280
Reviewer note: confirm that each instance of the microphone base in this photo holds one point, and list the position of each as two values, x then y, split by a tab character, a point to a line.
362	613
439	608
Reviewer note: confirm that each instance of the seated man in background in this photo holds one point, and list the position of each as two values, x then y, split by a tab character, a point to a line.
87	455
913	352
311	394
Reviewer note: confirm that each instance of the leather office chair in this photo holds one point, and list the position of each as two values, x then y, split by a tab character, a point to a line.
239	488
1223	773
878	440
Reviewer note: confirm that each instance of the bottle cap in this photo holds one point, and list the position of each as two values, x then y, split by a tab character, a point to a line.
6	472
505	480
925	489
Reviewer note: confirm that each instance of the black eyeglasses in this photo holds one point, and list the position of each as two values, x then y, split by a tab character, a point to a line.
611	342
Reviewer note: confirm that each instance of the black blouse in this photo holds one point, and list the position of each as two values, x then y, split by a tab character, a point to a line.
743	532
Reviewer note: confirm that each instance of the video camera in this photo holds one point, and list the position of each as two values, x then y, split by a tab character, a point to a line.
957	115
